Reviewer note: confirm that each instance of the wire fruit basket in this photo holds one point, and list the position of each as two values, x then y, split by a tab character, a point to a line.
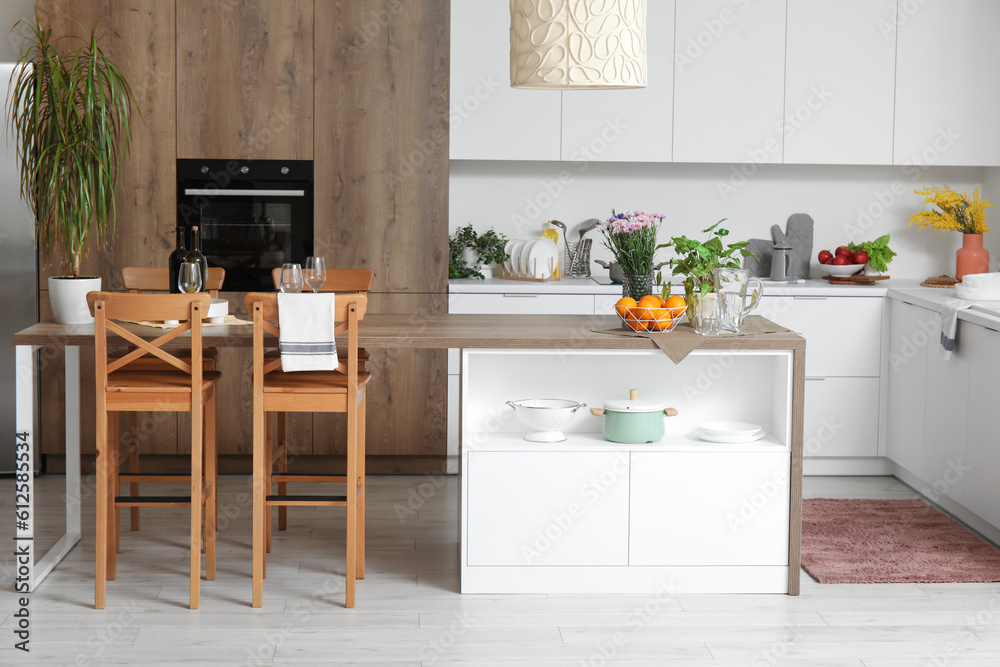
653	320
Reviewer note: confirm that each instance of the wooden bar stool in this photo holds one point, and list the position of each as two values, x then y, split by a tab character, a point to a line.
357	281
180	385
142	280
342	390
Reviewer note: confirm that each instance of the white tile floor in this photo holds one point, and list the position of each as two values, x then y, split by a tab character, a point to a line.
410	613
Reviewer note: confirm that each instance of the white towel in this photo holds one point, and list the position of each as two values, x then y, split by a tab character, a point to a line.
306	323
949	325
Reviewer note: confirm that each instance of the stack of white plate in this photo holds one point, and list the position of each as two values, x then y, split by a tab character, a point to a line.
728	432
531	258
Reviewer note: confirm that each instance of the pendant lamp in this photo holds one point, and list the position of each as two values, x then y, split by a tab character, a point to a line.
577	44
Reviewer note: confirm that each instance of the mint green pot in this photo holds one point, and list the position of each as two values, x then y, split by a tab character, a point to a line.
633	422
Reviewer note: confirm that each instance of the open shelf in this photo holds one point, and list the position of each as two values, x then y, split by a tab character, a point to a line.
595	442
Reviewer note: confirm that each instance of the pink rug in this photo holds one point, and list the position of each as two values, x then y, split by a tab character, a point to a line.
891	541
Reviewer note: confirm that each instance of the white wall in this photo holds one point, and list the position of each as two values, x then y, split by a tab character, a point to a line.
11	11
848	203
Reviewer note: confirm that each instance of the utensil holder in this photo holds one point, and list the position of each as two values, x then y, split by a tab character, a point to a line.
577	260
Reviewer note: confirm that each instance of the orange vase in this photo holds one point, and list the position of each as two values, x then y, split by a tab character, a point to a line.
972	257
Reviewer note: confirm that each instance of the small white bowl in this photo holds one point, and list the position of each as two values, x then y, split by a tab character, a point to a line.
217	311
840	270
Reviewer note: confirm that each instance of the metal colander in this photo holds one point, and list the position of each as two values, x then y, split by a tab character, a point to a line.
546	415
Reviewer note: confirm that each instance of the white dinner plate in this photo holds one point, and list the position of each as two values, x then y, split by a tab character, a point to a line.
729	428
522	262
543	258
508	247
728	439
515	257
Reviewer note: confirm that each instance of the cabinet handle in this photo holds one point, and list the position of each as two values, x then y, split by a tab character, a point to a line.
810	298
815	379
520	296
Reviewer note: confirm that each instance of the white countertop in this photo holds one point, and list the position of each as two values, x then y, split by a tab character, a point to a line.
934	299
812	287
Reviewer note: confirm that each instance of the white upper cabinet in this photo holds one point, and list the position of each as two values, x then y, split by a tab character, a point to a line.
839	81
632	125
489	119
729	72
947	97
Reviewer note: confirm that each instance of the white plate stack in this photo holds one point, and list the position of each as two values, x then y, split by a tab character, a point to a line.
531	258
728	432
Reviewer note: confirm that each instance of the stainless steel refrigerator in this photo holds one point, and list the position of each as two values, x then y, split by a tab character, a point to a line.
18	276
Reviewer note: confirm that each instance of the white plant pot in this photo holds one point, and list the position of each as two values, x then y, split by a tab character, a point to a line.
68	298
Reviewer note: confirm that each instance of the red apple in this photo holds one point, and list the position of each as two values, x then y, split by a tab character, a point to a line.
860	257
840	260
825	256
843	251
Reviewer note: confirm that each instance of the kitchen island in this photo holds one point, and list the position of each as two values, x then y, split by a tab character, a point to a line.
682	513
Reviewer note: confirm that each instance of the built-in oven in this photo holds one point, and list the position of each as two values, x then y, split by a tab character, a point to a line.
252	215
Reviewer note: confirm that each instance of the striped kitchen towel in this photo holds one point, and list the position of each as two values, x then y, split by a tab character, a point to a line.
949	325
306	323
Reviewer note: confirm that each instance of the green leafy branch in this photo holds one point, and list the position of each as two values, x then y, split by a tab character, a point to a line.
879	253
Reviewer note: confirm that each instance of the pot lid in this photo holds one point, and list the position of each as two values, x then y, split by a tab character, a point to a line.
632	405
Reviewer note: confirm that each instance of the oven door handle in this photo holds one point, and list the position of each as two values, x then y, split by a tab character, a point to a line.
218	192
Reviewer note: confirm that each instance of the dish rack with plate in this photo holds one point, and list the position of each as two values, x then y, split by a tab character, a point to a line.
532	260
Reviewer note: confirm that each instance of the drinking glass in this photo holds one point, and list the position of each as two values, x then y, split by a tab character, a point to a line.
315	272
189	277
291	278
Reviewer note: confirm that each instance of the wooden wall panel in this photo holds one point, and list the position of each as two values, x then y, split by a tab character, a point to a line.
407	411
142	41
245	74
382	165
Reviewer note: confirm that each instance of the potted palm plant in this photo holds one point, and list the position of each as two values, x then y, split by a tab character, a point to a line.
69	112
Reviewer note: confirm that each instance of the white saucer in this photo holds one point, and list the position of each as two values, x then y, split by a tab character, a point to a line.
728	439
729	428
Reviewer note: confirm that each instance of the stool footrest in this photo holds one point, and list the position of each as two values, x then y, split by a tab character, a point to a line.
306	477
153	477
152	501
330	501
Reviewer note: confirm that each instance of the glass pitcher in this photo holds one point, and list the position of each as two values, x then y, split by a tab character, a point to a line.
734	287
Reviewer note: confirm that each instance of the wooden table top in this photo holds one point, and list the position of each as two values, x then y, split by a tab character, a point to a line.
443	331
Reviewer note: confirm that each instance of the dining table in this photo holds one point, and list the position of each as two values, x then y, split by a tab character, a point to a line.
376	331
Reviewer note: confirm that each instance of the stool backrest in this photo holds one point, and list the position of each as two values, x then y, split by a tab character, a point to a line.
338	280
155	279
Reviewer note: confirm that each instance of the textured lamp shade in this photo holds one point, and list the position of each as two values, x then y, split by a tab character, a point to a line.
570	44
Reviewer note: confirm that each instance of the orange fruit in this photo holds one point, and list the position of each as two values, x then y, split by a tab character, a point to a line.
623	304
650	301
676	304
661	319
635	320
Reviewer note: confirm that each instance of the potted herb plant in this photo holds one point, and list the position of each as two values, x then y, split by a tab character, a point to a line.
70	113
697	262
472	255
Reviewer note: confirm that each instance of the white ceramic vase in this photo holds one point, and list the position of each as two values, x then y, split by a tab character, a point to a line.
68	298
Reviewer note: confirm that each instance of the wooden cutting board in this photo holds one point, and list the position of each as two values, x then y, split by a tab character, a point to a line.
854	280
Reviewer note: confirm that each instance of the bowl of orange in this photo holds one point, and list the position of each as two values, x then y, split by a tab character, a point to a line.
650	313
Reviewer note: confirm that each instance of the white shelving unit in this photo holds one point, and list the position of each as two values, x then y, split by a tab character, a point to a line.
591	516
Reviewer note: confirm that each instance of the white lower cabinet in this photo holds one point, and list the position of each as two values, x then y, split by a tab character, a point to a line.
841	416
726	508
548	508
945	413
907	384
982	492
843	363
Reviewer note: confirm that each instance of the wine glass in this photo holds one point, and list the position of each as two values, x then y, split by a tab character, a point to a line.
189	277
315	272
291	278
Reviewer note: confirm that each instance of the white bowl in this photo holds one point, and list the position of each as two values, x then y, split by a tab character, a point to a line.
729	428
217	311
840	269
